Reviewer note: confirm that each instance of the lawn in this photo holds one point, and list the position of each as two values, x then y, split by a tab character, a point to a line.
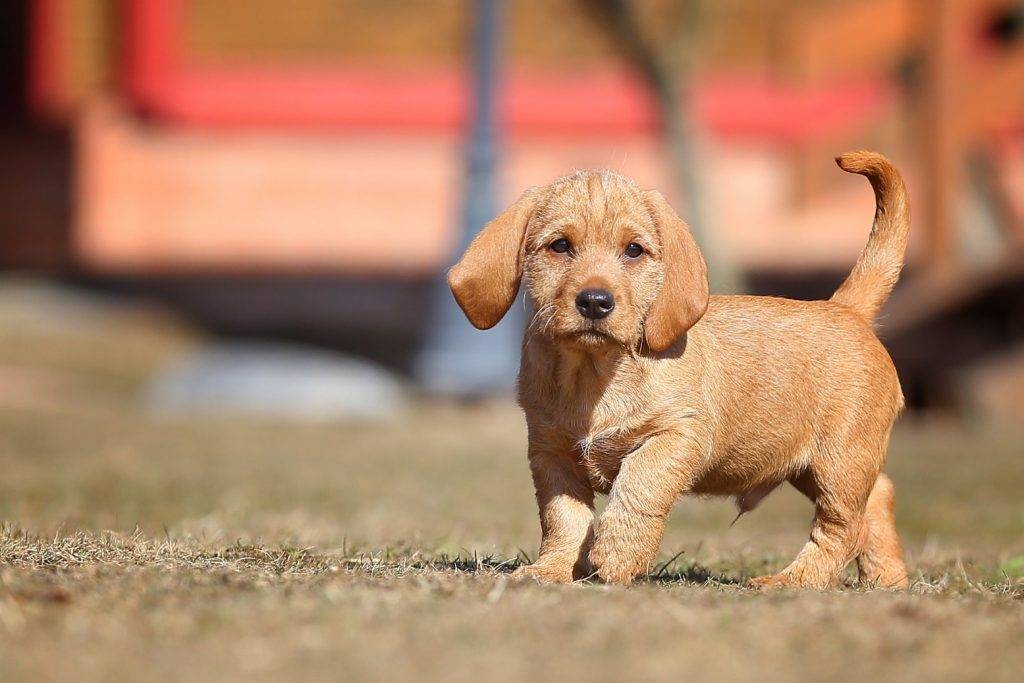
140	548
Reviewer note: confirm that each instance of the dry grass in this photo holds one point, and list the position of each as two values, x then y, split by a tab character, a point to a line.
93	605
140	549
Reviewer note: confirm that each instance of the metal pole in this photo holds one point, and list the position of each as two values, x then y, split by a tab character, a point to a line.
456	359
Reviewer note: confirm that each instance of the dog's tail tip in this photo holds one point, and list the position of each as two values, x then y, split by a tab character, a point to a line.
865	163
878	268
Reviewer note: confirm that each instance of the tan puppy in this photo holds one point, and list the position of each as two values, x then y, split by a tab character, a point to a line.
637	384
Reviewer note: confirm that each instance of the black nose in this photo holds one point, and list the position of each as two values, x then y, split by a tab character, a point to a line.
595	303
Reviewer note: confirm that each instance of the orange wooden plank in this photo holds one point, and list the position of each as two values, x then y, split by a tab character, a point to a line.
157	199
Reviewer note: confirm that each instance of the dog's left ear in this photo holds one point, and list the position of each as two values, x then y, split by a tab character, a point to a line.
485	281
684	293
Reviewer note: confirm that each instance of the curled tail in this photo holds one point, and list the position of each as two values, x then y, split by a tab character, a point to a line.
879	264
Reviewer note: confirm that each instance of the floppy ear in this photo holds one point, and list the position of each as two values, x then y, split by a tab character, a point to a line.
684	293
485	281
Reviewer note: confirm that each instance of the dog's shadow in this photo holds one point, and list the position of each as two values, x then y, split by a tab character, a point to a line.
666	574
692	574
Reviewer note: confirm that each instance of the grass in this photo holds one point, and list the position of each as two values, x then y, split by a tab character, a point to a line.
146	549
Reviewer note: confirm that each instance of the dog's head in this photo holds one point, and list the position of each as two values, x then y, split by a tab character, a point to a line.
603	261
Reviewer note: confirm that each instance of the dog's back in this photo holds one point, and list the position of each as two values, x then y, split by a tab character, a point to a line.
789	377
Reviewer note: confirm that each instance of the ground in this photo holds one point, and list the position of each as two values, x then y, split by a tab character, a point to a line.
151	548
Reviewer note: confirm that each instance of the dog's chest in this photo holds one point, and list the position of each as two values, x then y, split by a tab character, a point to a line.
601	437
598	417
601	454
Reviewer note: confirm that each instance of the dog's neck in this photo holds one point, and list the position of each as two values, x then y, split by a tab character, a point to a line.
588	367
572	371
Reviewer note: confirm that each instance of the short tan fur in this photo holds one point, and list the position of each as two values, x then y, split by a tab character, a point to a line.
674	391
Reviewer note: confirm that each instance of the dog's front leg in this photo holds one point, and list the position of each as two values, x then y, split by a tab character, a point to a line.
629	531
566	504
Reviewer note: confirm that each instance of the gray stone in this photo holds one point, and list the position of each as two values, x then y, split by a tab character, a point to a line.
276	380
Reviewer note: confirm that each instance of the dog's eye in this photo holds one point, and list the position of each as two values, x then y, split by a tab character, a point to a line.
559	246
634	250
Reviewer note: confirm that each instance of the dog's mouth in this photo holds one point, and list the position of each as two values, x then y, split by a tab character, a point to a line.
591	335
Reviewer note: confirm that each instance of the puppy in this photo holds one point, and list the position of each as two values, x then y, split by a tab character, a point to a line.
638	385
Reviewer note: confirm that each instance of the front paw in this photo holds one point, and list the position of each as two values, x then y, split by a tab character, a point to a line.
544	573
615	563
616	566
624	546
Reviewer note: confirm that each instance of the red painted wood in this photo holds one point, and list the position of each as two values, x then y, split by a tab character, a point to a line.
47	21
546	103
153	65
162	83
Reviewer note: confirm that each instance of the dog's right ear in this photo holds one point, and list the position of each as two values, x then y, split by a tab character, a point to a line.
486	280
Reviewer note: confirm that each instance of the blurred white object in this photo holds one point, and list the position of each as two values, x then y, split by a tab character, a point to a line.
276	380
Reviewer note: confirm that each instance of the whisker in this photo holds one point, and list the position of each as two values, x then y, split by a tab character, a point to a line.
542	318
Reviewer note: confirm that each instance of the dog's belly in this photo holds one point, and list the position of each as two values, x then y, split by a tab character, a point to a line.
602	466
723	483
749	476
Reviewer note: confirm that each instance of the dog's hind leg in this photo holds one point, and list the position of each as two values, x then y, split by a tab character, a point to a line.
880	562
839	531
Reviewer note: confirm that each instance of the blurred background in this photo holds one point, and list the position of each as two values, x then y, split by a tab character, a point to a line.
267	192
244	429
